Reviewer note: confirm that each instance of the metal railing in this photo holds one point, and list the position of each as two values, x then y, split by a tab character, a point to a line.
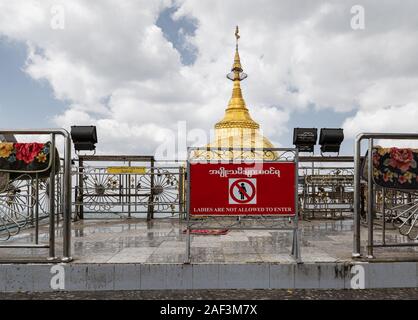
104	191
51	188
326	191
370	206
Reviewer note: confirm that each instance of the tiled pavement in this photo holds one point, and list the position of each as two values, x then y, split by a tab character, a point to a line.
162	241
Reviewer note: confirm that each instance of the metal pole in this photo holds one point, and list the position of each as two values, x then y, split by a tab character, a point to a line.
356	234
181	193
370	200
51	188
150	214
313	191
188	253
37	209
58	190
296	248
384	215
80	188
31	200
128	185
122	188
67	199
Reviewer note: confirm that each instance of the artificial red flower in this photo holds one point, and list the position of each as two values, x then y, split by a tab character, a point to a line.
387	177
401	158
376	159
402	179
27	151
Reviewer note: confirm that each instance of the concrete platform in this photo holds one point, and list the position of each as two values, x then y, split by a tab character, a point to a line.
136	255
133	276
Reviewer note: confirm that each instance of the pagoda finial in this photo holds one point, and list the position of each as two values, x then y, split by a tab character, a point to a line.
236	71
237	129
237	115
237	36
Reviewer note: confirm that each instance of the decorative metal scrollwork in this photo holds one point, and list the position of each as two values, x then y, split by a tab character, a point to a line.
404	217
243	154
104	192
44	196
101	190
16	203
165	189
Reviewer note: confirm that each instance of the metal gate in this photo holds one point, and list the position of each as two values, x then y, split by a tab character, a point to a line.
128	186
326	191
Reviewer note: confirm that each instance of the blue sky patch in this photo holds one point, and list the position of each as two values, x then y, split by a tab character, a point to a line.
177	31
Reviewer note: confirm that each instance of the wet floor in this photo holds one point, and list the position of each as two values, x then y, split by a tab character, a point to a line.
163	241
375	294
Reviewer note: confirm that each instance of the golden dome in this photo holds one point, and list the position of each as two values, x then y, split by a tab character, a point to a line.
237	129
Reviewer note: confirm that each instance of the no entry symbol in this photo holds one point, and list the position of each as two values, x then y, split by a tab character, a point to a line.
242	191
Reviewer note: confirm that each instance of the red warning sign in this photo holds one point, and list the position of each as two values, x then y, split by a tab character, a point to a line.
243	189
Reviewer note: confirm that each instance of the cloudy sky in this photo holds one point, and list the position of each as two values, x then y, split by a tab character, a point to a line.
135	68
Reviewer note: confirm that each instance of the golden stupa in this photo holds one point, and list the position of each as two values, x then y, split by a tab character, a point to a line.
237	131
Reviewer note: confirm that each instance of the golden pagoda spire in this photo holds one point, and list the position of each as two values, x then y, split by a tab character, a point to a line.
237	130
237	61
236	114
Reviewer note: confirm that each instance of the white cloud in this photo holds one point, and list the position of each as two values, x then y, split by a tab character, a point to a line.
393	119
274	122
115	68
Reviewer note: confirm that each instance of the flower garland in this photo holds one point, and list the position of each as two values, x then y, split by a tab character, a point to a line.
26	152
395	167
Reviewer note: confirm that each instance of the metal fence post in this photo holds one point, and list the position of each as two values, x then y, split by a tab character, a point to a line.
67	199
37	209
129	190
51	188
384	215
80	196
296	248
356	234
188	240
370	199
150	214
181	192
